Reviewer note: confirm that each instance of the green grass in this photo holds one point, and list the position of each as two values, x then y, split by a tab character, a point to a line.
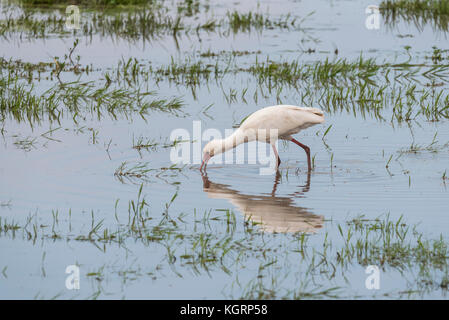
150	144
416	6
247	21
258	265
147	24
400	92
417	12
360	86
142	172
21	103
85	3
432	147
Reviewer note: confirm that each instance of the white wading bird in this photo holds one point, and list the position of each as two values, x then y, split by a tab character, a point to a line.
286	119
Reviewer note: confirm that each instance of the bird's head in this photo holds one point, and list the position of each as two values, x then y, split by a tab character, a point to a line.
211	149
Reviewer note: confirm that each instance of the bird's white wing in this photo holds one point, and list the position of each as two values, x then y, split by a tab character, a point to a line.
316	111
287	119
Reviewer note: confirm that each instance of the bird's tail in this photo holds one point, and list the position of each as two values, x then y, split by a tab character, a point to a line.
317	111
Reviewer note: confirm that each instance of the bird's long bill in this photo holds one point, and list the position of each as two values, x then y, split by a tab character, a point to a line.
206	158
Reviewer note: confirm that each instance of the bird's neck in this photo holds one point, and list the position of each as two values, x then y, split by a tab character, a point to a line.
233	140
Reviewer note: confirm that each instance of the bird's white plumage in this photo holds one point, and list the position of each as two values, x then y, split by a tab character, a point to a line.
286	119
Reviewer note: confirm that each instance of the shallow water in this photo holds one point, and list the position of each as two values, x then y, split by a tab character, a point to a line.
75	172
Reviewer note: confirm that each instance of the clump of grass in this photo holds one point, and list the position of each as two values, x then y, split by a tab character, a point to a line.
18	69
360	86
26	143
145	143
416	6
139	171
21	103
142	172
147	23
432	147
245	21
188	73
326	72
86	3
149	144
24	70
6	226
188	7
418	12
438	55
234	53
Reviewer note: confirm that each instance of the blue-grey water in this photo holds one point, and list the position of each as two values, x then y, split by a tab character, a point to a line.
73	173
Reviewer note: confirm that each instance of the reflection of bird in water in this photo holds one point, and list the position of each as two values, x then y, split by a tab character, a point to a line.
275	214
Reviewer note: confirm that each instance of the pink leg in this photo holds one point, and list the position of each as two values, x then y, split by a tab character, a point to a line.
277	156
307	150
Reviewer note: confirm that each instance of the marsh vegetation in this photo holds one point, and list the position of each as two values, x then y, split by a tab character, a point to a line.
86	123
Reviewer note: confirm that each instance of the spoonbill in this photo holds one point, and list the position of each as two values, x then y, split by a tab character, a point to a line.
286	119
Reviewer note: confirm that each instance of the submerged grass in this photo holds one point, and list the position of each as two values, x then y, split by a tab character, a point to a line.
417	6
399	91
139	24
257	264
149	144
362	86
21	103
432	147
86	3
142	172
418	12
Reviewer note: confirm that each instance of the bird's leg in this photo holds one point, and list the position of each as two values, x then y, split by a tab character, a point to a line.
206	158
206	182
307	150
203	165
277	156
276	182
307	186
